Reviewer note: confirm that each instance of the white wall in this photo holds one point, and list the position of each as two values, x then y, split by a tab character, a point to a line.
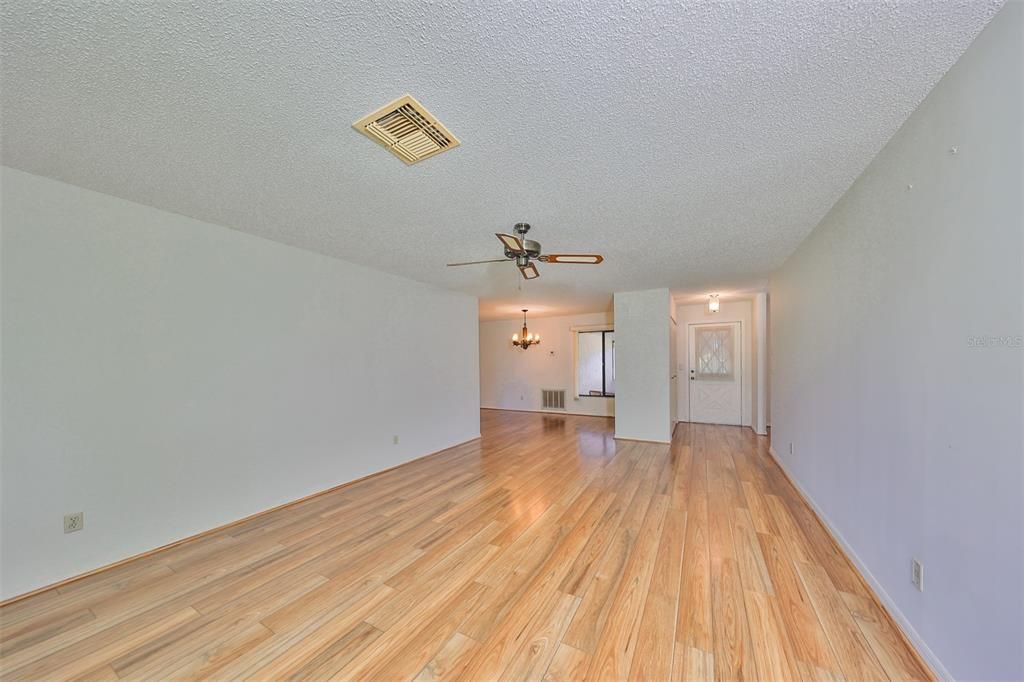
166	376
729	311
512	379
906	436
642	396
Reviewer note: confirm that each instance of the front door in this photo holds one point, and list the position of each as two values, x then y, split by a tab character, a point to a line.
715	389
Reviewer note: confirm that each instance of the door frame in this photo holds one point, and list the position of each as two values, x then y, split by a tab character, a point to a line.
689	362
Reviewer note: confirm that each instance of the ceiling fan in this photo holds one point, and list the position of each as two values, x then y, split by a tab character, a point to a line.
524	251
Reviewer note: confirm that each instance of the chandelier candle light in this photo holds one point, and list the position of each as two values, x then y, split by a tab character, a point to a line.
527	339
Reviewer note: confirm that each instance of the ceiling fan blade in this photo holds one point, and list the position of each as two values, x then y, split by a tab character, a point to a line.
577	258
529	271
477	262
512	243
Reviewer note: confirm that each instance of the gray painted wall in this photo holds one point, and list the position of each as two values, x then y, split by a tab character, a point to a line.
906	433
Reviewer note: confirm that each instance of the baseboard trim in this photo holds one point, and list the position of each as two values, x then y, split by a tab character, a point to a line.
925	656
574	414
231	524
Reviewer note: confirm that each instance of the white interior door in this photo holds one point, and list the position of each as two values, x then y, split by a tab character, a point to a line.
715	378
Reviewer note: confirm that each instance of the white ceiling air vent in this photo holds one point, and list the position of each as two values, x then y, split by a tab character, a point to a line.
407	130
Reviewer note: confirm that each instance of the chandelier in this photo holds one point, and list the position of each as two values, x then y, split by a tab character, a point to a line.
527	339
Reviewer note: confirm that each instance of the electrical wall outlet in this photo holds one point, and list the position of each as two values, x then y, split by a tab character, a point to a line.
917	574
395	439
74	522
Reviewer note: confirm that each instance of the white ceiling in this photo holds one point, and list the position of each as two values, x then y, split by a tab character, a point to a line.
693	144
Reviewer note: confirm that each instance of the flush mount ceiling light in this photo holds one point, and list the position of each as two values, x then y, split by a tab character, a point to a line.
527	339
713	303
406	129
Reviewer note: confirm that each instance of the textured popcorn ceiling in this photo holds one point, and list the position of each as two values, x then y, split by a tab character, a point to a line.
693	144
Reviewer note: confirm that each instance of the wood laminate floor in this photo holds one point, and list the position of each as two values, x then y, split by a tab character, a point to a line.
546	549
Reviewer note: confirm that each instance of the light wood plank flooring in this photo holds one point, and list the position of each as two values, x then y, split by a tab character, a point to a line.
545	550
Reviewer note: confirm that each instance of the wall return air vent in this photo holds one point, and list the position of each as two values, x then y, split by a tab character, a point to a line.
552	399
406	129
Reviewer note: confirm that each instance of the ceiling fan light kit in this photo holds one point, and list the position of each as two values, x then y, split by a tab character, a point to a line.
527	339
524	252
